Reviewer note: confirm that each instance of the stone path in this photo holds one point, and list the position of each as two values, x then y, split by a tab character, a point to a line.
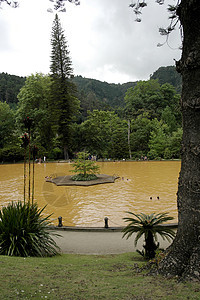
98	241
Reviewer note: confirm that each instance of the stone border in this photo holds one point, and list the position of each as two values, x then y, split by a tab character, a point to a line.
67	181
100	229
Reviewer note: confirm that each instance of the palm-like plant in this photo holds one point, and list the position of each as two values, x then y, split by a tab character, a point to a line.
24	231
150	226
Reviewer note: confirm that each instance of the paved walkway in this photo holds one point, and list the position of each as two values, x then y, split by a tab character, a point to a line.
98	241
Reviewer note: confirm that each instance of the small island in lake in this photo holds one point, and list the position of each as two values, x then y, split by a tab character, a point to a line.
85	173
67	180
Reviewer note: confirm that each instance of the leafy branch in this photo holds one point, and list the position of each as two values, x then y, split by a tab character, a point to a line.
137	7
59	5
11	3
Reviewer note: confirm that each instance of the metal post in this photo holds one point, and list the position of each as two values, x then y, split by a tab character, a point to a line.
60	222
106	222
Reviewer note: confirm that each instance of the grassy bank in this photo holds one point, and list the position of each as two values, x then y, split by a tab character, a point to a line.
87	277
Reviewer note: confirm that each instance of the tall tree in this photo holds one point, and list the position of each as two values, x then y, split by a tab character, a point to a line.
33	102
149	96
183	257
63	101
140	134
7	125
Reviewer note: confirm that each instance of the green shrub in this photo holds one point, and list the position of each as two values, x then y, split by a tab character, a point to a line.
11	153
56	153
81	177
24	231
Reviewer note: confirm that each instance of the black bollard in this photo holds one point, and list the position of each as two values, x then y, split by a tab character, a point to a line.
106	222
60	222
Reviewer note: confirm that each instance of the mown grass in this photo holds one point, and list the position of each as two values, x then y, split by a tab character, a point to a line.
87	277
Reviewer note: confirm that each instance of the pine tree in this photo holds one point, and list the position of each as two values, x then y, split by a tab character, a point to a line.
63	103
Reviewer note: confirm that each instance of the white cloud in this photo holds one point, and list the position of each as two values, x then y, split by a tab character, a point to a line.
104	41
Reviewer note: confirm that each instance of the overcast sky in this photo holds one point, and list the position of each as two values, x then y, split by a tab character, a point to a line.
104	41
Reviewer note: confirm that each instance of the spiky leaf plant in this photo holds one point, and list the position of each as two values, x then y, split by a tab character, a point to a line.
150	226
24	231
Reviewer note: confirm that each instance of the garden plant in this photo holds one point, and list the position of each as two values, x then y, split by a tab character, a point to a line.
150	226
24	231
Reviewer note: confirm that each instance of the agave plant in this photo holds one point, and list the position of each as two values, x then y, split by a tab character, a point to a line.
150	226
24	231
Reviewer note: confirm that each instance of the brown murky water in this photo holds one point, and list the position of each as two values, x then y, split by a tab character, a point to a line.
88	206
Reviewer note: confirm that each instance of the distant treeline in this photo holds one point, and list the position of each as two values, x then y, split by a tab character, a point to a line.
94	94
116	121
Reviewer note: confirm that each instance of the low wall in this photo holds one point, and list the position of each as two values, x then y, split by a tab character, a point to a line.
99	241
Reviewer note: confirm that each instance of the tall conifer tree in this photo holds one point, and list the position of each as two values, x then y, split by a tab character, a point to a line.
63	103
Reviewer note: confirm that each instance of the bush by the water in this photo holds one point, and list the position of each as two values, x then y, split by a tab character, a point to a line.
11	154
82	177
24	231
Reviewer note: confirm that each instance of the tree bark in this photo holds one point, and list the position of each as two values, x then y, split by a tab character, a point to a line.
150	246
66	154
129	133
183	256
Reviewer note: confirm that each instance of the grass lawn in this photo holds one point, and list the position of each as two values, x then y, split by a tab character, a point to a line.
86	277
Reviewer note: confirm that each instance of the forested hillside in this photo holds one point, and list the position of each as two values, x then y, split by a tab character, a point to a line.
93	94
9	87
115	121
168	75
109	94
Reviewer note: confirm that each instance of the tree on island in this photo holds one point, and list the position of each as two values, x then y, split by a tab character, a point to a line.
64	104
84	168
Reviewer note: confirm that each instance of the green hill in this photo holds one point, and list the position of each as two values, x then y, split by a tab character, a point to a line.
168	75
93	94
9	88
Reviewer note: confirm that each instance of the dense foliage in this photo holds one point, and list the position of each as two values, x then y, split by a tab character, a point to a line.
169	75
24	231
115	121
33	101
10	86
93	94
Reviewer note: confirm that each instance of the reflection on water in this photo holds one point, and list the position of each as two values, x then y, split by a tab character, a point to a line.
88	206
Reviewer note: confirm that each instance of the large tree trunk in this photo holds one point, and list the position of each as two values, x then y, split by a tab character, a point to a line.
183	257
